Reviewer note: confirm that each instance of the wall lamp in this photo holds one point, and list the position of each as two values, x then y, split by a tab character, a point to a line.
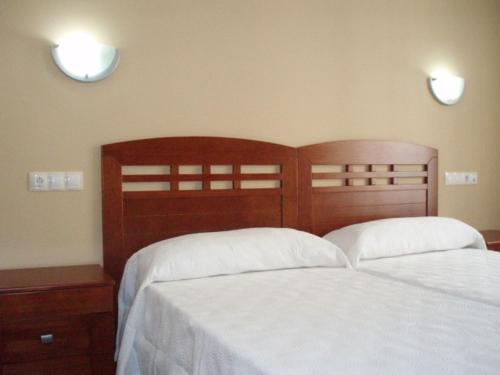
447	89
83	59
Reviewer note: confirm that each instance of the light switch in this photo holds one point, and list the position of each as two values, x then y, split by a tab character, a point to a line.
38	181
56	181
74	180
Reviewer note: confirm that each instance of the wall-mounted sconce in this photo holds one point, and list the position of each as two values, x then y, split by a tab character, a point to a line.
447	89
83	59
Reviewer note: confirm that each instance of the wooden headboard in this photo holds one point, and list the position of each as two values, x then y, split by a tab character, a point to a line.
191	184
199	184
348	182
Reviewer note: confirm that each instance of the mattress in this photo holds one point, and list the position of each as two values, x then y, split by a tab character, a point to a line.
308	321
468	273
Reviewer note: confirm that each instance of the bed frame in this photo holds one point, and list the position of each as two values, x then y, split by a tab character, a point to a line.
236	183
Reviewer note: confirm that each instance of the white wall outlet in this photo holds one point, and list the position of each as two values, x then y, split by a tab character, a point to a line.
471	178
74	180
461	178
38	181
56	181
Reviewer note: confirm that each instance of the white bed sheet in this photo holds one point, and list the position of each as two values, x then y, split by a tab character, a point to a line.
468	273
309	321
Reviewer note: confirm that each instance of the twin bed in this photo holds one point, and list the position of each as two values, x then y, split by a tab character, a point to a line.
282	301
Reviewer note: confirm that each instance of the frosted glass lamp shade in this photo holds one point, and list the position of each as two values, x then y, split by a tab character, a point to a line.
447	89
85	60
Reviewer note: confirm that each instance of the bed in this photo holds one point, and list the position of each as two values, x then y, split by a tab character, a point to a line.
385	193
285	319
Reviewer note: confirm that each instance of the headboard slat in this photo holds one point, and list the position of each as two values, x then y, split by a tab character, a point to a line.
200	177
335	189
367	174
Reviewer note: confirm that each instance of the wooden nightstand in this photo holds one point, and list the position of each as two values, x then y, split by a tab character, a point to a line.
492	238
56	320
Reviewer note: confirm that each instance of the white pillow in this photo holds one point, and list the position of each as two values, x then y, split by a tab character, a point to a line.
235	251
399	236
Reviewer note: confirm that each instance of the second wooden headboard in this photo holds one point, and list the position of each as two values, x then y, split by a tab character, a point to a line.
348	182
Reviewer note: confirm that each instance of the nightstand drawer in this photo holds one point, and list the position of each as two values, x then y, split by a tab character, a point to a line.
80	365
62	302
63	337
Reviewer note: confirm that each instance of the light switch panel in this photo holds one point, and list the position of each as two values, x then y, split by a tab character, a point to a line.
461	178
74	180
55	181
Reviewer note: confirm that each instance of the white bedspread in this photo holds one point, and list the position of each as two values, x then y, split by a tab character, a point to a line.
469	273
309	321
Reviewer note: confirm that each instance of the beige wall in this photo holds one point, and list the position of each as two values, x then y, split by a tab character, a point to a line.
286	71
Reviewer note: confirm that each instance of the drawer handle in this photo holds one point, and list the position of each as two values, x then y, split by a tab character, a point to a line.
47	339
